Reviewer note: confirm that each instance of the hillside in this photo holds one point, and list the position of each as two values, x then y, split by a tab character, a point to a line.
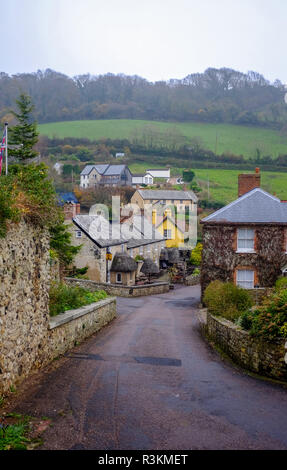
220	138
215	96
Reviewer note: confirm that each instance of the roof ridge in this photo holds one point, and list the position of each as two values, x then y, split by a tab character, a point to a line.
233	203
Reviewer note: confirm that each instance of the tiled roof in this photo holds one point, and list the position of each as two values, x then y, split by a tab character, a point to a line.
256	206
167	195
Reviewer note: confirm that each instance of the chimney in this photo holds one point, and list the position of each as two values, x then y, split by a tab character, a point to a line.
249	181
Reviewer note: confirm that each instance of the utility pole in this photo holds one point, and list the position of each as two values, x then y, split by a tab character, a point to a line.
6	147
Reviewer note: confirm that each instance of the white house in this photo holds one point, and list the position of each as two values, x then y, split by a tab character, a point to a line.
120	155
141	178
159	173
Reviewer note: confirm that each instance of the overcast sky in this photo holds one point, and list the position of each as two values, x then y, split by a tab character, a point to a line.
156	39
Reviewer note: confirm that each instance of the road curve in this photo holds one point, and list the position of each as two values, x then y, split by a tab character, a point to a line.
150	381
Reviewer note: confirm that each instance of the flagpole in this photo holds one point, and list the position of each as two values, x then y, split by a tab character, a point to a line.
6	146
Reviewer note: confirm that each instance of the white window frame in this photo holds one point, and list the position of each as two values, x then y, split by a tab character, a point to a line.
246	282
245	235
78	234
119	278
167	236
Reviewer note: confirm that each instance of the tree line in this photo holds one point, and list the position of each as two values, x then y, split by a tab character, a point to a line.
217	95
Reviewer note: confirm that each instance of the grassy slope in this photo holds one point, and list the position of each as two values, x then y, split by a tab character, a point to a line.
236	139
223	183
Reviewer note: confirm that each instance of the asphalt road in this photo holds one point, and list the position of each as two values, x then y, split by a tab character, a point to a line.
150	381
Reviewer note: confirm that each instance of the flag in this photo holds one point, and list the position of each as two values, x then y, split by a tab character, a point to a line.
2	148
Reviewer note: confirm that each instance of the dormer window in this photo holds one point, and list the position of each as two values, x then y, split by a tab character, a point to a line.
245	240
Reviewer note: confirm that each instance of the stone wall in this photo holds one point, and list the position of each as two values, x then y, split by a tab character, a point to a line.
76	325
220	259
29	339
192	280
261	357
120	290
24	301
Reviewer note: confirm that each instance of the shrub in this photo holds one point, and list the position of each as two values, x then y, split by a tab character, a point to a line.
226	300
139	258
270	319
281	283
196	255
245	321
63	297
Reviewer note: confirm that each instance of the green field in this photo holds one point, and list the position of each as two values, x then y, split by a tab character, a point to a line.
223	183
239	140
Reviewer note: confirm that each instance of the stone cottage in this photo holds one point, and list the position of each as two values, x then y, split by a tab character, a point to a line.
102	240
245	242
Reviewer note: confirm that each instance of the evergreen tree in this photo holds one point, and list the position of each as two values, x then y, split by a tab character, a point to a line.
25	133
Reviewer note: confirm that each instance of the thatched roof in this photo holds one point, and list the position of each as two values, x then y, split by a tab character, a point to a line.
122	263
149	267
173	255
170	254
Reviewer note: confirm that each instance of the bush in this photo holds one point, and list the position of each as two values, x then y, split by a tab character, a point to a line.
245	321
226	300
270	319
196	255
139	258
63	297
281	283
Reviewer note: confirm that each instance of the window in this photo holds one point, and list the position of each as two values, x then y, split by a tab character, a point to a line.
141	250
167	234
131	252
119	278
78	234
123	248
245	240
245	279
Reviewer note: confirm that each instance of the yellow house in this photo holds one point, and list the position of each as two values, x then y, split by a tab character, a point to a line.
170	230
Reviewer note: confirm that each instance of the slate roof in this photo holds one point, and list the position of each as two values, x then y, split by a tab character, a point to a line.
256	207
99	230
167	194
87	170
101	168
104	170
67	197
104	234
114	170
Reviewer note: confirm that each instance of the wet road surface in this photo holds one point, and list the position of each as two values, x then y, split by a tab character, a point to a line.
149	381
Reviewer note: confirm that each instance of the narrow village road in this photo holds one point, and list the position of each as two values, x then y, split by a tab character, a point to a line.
150	381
